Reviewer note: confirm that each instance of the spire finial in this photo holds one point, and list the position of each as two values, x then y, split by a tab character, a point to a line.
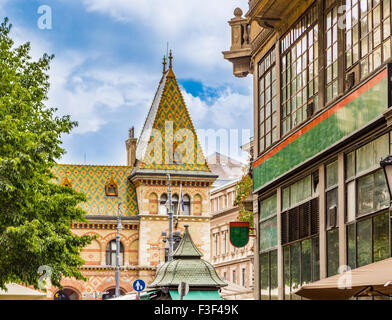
164	64
170	60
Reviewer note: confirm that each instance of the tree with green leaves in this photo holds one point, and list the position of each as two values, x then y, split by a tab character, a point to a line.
35	212
244	191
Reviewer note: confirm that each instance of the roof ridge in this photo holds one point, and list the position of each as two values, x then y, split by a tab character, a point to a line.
93	165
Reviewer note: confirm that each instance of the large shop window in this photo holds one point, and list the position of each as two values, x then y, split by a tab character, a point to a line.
268	224
366	187
268	240
368	227
299	62
331	48
269	275
368	31
368	240
301	204
332	218
301	266
268	85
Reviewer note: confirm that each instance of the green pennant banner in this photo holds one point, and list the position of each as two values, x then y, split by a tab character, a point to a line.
239	234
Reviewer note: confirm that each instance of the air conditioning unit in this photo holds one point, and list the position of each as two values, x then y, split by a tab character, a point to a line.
310	109
332	217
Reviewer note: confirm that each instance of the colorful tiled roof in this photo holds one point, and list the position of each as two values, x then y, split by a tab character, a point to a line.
91	180
169	106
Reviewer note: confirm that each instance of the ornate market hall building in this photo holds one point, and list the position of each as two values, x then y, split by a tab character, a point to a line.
167	144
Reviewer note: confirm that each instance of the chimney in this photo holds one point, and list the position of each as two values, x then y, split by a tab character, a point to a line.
131	148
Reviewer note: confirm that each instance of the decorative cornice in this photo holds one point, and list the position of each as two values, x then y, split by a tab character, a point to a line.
124	268
103	226
157	217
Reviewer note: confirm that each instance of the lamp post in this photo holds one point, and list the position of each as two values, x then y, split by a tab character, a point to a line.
118	243
170	213
386	164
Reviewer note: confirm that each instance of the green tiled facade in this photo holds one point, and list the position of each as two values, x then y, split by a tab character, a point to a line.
345	121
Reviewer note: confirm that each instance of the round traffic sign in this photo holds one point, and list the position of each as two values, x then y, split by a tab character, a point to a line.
139	285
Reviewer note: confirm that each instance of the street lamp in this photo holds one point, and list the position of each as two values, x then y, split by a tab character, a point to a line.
170	213
386	164
118	243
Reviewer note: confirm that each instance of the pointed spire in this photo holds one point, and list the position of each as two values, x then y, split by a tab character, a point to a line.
187	248
170	60
164	64
170	73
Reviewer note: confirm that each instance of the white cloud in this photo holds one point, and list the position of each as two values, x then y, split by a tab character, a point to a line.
196	29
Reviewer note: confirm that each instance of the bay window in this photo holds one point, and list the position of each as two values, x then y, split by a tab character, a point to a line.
268	85
299	64
332	47
368	31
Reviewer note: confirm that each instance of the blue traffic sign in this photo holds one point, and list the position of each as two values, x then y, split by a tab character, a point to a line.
139	285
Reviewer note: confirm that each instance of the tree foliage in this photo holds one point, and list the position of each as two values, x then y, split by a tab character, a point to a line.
35	212
244	190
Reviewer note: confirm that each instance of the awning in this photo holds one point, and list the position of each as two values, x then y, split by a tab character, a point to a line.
132	296
18	292
197	295
371	280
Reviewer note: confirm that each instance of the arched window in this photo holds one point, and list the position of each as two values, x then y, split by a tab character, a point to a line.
153	203
197	205
162	204
175	204
111	253
66	294
187	205
111	293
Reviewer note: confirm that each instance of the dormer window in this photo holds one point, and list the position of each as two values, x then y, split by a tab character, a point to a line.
111	188
66	182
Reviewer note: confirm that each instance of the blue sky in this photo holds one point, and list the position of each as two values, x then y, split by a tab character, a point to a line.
107	66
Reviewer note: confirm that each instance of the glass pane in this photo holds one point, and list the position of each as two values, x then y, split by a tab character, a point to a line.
365	194
295	267
364	242
332	199
274	274
264	276
369	155
381	193
268	207
350	165
332	174
351	248
351	201
316	259
332	252
364	162
286	198
268	234
381	149
306	261
381	237
286	268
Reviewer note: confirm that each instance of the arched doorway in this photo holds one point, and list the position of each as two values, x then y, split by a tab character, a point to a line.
66	294
111	293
